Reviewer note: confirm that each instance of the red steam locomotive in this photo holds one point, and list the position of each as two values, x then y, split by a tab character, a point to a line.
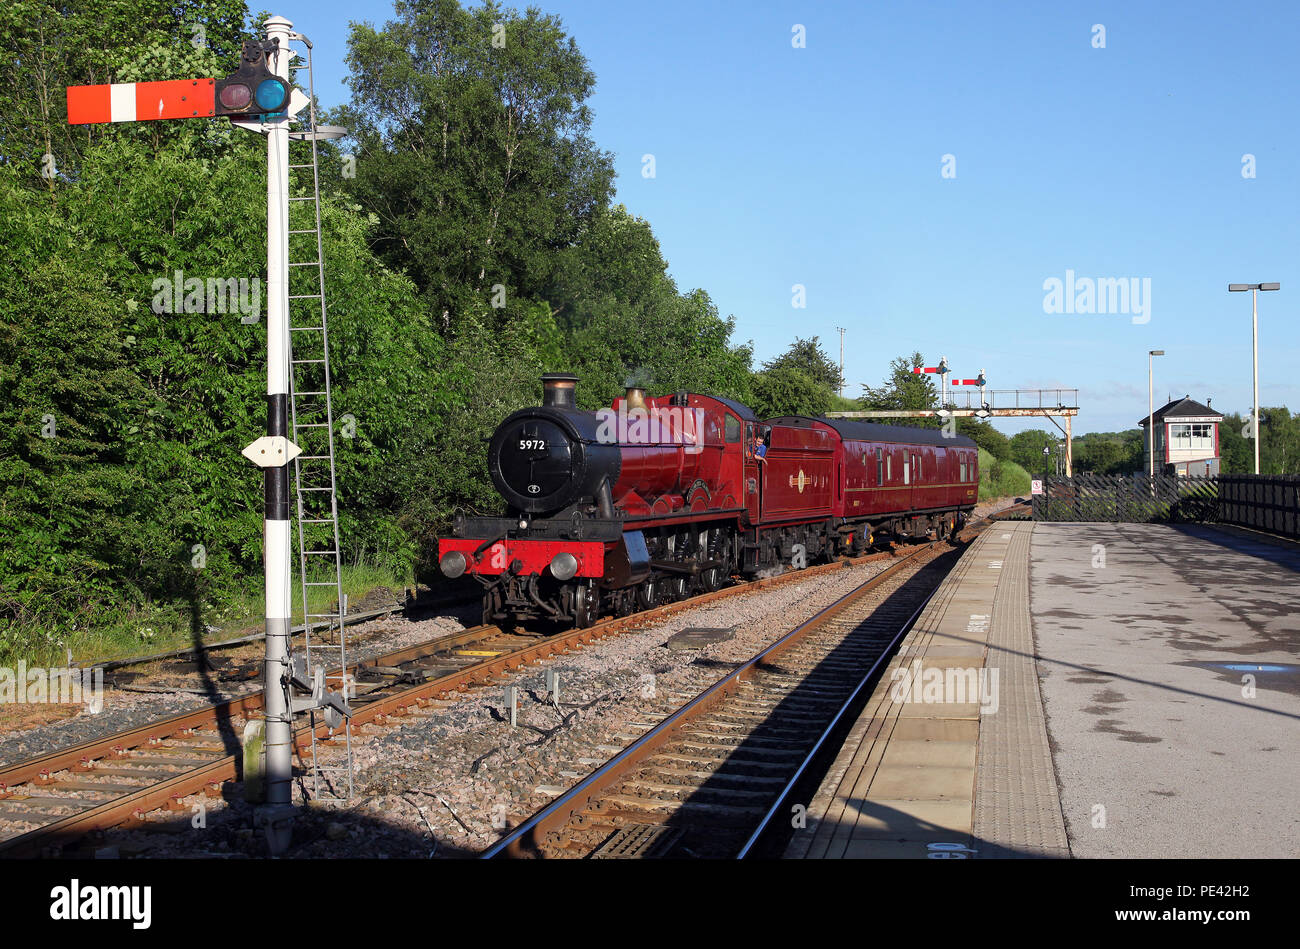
657	499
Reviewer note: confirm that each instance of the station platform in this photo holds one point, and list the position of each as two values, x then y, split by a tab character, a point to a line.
1086	690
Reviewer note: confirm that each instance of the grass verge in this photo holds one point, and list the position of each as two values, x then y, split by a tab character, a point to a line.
159	627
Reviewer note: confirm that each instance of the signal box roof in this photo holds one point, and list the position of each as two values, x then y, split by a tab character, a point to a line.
1184	408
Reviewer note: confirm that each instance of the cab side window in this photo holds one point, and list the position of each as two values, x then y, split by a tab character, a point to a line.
732	431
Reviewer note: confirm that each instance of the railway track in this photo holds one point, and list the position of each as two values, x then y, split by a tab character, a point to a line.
708	779
239	659
717	774
51	802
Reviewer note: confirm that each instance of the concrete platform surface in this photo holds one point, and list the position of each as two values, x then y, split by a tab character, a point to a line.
1168	659
950	758
1132	690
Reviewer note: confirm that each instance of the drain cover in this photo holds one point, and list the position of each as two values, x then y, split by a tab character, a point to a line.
697	637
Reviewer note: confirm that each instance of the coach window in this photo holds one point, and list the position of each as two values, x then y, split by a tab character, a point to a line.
907	468
889	467
880	466
732	430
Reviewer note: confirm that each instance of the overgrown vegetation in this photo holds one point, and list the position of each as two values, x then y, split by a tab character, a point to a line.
1001	478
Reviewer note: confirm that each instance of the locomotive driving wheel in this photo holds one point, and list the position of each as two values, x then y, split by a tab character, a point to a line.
586	605
648	594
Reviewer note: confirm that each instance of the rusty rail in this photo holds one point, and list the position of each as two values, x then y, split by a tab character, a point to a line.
208	778
528	837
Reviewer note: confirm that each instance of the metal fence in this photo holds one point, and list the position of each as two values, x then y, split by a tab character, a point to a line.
1013	399
1163	499
1263	502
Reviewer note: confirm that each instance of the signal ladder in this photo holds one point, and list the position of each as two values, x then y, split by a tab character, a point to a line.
322	667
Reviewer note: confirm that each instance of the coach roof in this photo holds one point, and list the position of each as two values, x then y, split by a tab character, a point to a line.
871	432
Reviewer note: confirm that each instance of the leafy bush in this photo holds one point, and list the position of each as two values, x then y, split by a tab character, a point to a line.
1001	479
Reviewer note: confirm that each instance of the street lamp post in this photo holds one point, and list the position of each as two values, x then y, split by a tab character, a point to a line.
1151	430
1254	289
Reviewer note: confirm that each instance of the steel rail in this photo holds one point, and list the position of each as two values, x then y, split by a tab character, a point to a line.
28	769
202	779
556	814
830	728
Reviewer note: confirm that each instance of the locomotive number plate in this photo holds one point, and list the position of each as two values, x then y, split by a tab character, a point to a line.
532	444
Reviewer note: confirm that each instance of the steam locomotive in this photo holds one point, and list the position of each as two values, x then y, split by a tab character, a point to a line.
656	499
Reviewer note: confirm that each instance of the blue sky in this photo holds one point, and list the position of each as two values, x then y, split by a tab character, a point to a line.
822	166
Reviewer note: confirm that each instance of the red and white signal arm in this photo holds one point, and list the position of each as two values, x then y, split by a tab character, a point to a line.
253	90
142	101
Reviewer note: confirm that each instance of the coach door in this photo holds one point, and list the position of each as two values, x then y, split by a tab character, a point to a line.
909	471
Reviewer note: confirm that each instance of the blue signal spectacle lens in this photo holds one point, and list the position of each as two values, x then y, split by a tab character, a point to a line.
270	94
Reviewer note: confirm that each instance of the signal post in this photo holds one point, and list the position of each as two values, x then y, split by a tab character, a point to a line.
260	98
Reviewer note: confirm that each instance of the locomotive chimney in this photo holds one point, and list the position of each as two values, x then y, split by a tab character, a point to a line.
635	397
557	390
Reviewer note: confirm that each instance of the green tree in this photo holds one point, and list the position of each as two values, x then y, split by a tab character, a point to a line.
1110	452
473	154
1236	453
986	436
902	389
786	390
807	356
151	404
69	403
1027	448
624	320
1279	446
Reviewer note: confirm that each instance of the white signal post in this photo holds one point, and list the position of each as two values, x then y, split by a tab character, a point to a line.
277	815
204	98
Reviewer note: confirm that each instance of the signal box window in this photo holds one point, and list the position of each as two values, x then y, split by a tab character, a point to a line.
1191	436
732	430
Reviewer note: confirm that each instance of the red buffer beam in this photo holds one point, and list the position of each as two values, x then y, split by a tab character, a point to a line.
141	101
